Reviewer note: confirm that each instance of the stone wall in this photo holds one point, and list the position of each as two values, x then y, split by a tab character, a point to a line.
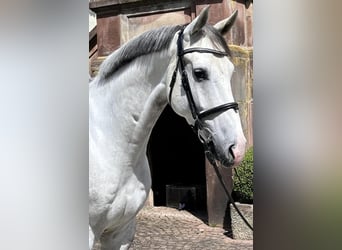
242	86
117	17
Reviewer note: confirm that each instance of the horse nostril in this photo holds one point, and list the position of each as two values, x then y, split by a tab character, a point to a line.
231	151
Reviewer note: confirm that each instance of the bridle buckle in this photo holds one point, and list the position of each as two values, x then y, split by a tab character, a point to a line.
205	135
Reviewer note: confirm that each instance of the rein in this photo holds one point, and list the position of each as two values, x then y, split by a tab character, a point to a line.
204	134
227	192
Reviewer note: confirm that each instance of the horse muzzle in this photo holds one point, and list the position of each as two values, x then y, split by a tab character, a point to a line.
227	156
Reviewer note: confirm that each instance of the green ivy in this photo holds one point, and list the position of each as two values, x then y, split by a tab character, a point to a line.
243	180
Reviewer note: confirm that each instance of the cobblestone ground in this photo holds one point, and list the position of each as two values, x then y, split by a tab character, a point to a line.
168	228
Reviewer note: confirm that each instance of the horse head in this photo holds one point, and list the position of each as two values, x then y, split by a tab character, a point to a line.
200	88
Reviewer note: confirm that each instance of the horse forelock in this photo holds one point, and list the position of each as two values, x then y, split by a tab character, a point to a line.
217	38
149	42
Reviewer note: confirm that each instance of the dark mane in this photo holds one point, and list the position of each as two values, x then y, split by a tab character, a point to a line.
151	41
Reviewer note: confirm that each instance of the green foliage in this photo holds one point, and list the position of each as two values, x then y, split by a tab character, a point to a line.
243	180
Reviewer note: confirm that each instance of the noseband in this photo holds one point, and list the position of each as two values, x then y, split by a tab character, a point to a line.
204	134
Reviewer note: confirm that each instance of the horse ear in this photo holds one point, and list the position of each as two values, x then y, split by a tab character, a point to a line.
197	24
224	26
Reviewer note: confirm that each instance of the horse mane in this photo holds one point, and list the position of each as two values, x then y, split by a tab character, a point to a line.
148	42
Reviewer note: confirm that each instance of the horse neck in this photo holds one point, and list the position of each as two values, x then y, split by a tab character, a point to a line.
124	110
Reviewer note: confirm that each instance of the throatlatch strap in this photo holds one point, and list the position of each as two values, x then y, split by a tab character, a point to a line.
173	81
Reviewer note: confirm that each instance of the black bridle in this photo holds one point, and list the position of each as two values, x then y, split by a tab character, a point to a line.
203	133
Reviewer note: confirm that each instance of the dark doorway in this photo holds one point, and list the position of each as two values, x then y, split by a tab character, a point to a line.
177	159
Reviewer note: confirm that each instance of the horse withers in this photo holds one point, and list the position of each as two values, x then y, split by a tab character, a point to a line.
185	66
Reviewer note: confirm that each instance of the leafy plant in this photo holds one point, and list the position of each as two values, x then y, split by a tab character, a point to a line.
243	179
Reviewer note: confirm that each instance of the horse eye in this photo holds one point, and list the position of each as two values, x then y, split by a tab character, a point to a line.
200	74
